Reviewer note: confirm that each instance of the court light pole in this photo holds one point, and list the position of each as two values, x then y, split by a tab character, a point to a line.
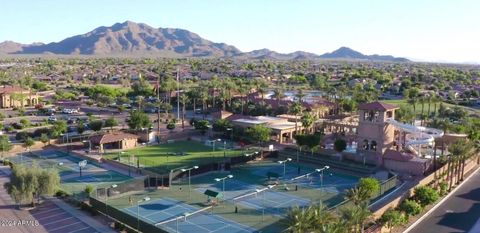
223	183
321	173
138	210
263	198
284	162
213	146
189	175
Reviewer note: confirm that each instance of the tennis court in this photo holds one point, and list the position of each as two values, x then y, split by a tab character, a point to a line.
308	177
256	196
174	216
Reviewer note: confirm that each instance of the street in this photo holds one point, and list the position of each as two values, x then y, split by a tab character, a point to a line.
457	214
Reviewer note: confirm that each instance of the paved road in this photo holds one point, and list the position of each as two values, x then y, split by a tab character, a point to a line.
458	214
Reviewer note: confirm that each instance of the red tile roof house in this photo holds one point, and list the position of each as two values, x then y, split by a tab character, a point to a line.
15	96
318	106
115	140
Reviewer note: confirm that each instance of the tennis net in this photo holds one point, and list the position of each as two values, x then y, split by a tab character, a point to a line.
252	194
185	216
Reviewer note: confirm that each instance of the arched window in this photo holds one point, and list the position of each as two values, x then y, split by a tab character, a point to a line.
365	144
373	145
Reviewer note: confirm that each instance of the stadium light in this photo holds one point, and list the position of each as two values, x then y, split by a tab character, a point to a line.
189	175
223	183
284	162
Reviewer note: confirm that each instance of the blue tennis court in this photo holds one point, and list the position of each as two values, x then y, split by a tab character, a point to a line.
331	181
162	210
245	194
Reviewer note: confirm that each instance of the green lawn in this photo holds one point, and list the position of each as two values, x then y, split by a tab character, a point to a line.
168	156
418	106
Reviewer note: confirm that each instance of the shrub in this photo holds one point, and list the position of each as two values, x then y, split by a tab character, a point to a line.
372	186
40	131
171	125
443	188
392	218
425	195
61	193
21	136
411	207
89	189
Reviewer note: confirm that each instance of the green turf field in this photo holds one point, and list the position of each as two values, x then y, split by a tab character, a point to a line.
173	155
418	106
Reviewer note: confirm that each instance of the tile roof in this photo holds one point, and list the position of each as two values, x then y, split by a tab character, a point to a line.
112	137
11	89
380	106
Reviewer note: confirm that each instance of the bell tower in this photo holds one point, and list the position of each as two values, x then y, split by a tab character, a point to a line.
375	134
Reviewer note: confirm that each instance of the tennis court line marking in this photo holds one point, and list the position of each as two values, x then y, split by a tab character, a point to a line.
58	228
51	216
46	224
79	229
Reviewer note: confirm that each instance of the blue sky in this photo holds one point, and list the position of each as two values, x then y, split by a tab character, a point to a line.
425	30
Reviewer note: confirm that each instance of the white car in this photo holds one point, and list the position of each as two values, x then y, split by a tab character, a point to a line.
52	119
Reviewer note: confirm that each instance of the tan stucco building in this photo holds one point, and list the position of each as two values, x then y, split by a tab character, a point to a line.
116	140
14	96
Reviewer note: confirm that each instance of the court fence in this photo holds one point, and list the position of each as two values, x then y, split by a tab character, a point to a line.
133	222
385	187
137	184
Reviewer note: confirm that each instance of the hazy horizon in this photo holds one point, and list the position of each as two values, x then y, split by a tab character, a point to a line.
431	31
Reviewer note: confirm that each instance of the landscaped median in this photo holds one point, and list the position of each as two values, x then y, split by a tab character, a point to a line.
398	217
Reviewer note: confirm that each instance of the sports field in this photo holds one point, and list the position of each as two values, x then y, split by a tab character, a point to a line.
165	157
418	106
248	202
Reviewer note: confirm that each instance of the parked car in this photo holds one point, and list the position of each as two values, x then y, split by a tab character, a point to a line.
52	119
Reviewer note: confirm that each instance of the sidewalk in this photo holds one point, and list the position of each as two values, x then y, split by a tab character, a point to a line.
90	221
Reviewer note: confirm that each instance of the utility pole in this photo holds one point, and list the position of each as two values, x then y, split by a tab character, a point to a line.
178	94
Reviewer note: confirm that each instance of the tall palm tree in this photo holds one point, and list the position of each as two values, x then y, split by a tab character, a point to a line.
213	85
140	99
183	99
462	150
296	109
279	94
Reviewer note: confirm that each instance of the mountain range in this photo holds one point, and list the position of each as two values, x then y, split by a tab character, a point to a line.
138	39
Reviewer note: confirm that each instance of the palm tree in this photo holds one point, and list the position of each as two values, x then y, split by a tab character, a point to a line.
279	94
140	100
422	100
356	216
214	83
203	95
296	109
298	220
307	121
357	195
462	150
184	99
